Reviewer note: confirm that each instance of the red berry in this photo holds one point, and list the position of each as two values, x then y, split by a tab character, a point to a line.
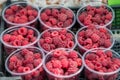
62	17
48	11
44	16
73	54
69	13
95	37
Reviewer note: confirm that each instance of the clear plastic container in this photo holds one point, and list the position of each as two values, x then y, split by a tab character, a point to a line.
96	4
32	23
83	49
43	26
28	75
91	74
10	48
52	76
40	46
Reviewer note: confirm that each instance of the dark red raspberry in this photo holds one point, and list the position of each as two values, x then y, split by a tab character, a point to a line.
44	16
69	13
9	11
73	54
64	63
62	17
48	11
56	64
22	31
55	12
53	21
6	37
95	37
48	40
46	46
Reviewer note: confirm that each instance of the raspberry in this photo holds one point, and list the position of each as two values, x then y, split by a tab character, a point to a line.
44	16
56	64
88	33
88	41
69	35
63	37
26	69
81	40
16	43
89	64
13	59
28	7
81	33
48	11
54	33
6	37
73	54
55	12
62	17
52	46
69	13
72	64
72	70
63	31
37	55
23	11
91	13
60	24
70	44
95	37
9	11
48	40
91	56
30	66
87	22
57	53
57	71
35	13
48	24
63	10
79	61
101	41
64	63
66	23
36	73
82	16
107	43
103	30
49	65
116	61
10	18
30	12
36	62
41	41
46	46
108	16
108	53
53	21
46	34
28	77
12	38
20	69
14	7
22	31
30	18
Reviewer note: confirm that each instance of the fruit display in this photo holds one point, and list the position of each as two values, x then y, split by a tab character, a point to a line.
27	63
63	64
56	38
56	17
20	14
18	37
101	64
93	37
98	15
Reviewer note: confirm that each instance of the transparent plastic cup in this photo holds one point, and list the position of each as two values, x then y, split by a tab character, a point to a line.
83	49
28	75
91	74
43	26
10	48
32	23
40	46
52	76
95	4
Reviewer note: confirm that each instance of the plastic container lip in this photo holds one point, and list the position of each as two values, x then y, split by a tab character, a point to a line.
14	28
49	7
113	13
76	37
61	76
96	72
15	52
18	3
58	30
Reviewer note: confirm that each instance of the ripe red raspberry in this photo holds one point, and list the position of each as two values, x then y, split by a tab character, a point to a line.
88	33
55	12
81	40
46	46
72	70
52	46
35	13
46	34
48	24
30	12
81	33
13	59
6	37
91	56
69	36
63	31
72	64
28	77
30	18
63	10
70	44
56	64
62	17
36	62
44	16
64	63
54	33
88	41
26	69
30	66
41	41
16	43
9	11
48	11
79	61
101	42
49	65
57	71
109	16
14	7
107	43
23	11
53	21
37	55
67	23
95	37
73	54
82	16
57	53
20	69
109	54
63	37
116	61
56	40
22	31
60	24
10	18
48	40
69	13
90	64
